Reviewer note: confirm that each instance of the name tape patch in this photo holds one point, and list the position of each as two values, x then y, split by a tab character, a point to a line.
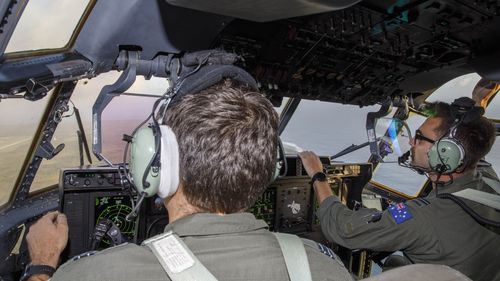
173	254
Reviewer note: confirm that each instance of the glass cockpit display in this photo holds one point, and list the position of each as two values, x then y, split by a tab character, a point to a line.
114	209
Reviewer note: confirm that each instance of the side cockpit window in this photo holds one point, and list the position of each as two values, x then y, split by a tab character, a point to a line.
493	113
408	183
19	120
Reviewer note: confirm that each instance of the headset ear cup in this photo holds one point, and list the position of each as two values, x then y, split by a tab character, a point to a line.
142	151
169	162
446	156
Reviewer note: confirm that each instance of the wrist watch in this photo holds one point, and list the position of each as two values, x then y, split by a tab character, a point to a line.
33	269
319	176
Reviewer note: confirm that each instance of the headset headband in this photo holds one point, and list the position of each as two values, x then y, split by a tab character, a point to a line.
465	111
207	76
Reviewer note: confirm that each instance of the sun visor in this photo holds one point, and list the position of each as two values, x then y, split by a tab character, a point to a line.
264	10
488	66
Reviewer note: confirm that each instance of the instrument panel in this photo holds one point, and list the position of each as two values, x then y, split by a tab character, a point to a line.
92	198
89	195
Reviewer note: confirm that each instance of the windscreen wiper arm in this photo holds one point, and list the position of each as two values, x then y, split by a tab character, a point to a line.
349	149
83	135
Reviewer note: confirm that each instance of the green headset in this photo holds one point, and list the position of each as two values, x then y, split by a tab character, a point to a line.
447	154
154	152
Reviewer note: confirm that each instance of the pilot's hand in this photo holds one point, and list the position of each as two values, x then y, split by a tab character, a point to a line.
311	162
313	165
47	238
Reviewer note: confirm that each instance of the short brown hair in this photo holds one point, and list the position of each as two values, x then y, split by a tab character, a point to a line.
227	138
477	136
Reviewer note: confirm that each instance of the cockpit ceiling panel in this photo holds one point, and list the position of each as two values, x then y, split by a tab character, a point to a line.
362	54
152	26
264	10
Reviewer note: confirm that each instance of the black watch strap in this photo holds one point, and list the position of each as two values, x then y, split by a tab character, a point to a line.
32	269
319	176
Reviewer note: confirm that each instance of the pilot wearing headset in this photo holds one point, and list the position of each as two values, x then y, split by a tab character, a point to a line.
218	154
455	224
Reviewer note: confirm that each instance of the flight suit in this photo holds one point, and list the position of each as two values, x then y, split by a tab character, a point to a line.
427	230
231	247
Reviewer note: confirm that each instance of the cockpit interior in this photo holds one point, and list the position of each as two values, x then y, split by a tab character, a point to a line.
77	78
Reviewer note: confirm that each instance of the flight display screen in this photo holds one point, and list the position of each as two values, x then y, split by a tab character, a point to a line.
115	209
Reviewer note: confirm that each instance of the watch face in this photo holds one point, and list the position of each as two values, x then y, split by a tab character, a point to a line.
321	177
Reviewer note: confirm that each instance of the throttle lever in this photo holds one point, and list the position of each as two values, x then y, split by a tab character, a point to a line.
106	227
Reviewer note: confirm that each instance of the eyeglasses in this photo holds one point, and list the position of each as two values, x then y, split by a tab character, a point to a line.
420	136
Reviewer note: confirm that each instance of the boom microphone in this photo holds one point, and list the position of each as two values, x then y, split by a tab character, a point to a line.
404	158
404	161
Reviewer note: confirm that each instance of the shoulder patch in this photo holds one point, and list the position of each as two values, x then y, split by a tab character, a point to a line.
400	212
327	251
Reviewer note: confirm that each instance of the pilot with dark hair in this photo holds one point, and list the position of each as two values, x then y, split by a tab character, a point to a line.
450	225
227	145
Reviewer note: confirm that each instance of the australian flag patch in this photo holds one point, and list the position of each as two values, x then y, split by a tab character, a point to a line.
400	212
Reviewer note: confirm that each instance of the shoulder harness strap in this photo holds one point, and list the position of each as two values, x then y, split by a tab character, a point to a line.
177	260
495	185
181	264
295	257
481	197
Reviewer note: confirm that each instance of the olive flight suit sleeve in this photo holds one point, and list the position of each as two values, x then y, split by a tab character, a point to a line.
324	263
403	226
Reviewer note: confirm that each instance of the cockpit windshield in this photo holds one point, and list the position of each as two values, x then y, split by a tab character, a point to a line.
462	86
46	24
323	128
493	109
